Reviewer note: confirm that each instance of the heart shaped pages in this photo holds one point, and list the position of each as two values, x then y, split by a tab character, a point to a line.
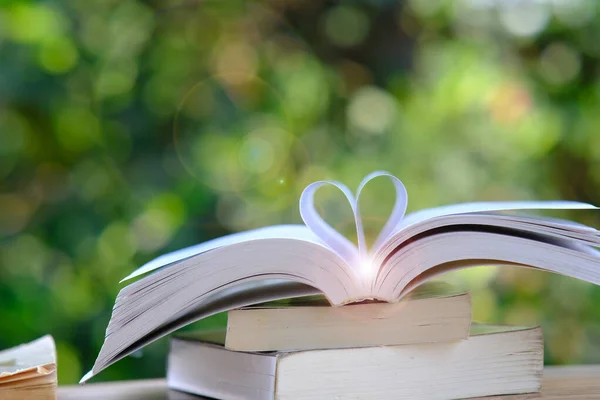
357	256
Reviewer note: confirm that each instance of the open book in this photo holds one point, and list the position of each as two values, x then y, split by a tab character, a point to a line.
295	260
28	371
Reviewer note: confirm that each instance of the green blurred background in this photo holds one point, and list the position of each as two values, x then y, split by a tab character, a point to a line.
131	128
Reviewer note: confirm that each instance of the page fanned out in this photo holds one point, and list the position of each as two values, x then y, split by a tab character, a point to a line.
299	232
491	206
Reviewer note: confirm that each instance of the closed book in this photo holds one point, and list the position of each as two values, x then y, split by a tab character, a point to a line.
495	360
433	312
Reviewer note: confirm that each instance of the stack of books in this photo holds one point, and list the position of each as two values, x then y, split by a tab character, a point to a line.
409	344
28	371
423	347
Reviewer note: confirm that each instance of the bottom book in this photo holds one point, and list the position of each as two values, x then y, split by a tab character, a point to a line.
495	360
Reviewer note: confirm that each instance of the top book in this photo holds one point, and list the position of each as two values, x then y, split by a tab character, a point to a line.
295	260
434	312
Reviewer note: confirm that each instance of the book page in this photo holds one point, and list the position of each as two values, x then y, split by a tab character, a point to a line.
491	206
16	360
299	232
356	255
240	295
454	250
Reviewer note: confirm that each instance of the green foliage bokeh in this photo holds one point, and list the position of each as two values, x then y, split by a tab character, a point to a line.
130	128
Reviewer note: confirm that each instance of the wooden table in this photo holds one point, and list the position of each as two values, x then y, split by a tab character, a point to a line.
560	383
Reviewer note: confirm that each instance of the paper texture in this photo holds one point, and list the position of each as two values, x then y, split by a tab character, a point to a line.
28	363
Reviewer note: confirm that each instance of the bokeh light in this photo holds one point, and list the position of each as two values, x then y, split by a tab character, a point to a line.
129	129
